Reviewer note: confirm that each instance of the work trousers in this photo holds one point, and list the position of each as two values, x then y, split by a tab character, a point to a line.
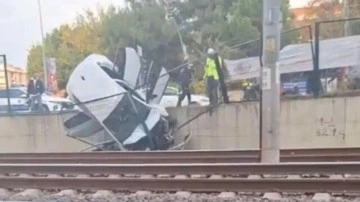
185	91
212	90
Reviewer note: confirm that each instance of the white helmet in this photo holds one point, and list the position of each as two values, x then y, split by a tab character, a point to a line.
210	51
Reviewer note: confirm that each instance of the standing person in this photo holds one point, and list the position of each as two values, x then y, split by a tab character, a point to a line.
35	89
245	87
184	82
211	76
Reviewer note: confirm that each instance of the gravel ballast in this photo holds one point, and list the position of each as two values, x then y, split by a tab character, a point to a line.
89	197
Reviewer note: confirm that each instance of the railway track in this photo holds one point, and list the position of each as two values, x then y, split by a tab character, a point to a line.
206	185
222	156
224	171
229	169
296	178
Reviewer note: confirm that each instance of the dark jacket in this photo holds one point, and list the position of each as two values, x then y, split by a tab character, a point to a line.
37	88
185	76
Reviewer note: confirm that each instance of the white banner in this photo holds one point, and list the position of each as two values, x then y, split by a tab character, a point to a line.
243	68
334	53
51	74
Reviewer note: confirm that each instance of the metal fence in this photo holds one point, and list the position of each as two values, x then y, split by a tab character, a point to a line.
337	51
5	93
249	66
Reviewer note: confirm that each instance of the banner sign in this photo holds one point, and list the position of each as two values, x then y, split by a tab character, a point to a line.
334	53
51	74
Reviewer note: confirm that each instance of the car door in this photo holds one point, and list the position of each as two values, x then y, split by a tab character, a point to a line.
18	100
3	100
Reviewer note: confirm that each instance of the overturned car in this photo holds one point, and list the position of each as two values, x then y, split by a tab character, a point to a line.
116	113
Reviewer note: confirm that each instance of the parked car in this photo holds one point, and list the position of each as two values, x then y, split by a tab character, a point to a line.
171	97
19	101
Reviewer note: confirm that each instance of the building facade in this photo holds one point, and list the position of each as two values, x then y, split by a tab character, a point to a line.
16	76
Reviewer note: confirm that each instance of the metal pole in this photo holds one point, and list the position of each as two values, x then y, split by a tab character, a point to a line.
346	16
7	85
315	77
171	14
43	46
221	79
148	95
270	82
311	42
181	40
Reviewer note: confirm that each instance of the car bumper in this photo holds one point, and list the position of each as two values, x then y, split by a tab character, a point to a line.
14	108
57	107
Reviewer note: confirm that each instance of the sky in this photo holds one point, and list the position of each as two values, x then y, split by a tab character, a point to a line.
20	25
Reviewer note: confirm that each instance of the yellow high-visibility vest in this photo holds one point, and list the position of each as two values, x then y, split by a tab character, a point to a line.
245	83
210	68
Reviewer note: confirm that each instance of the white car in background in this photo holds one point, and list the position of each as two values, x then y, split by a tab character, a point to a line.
19	101
171	96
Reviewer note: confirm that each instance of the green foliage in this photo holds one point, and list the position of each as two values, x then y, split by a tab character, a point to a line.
198	87
333	10
143	24
202	24
34	61
69	45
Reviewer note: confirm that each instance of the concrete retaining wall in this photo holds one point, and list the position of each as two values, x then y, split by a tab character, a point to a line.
35	133
310	123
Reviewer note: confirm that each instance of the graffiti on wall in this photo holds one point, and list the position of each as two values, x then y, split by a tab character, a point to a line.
328	128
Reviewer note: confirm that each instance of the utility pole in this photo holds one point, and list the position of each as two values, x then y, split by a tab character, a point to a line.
346	16
270	79
171	14
43	47
183	46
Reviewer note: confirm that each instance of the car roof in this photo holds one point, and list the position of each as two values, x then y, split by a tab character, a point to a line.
18	88
15	88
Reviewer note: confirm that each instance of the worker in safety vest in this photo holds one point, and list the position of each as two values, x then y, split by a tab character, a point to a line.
245	85
211	76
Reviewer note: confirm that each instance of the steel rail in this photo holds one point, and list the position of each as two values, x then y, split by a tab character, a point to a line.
185	169
129	160
194	185
132	154
180	159
174	154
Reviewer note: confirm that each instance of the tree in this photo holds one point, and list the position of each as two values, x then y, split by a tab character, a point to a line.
143	23
214	23
34	60
202	23
69	45
354	11
322	10
223	24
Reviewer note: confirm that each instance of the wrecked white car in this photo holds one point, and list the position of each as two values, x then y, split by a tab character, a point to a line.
114	113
